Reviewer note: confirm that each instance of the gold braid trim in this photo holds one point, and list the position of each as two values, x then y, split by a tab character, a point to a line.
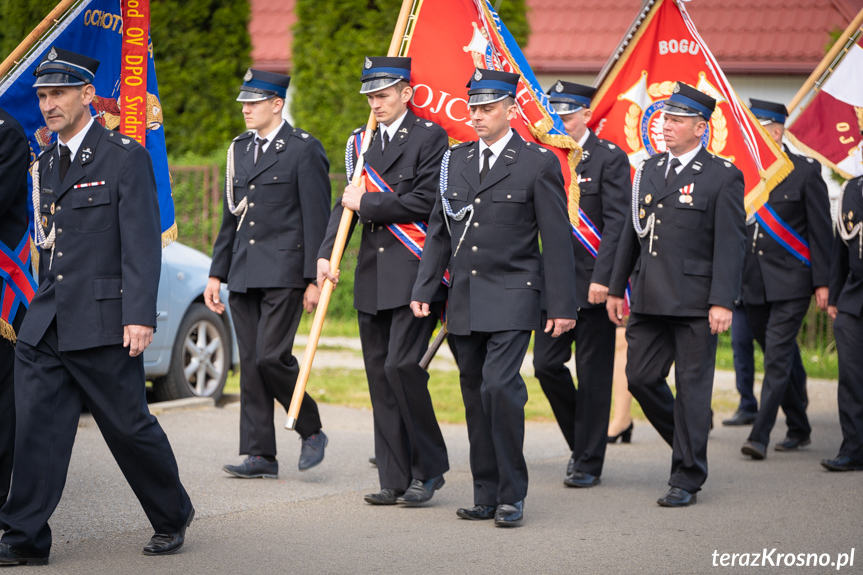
541	128
770	175
169	235
7	331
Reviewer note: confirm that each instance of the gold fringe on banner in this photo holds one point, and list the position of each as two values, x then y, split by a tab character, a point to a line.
169	235
7	331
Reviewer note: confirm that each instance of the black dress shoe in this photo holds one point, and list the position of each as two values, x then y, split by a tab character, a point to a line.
570	466
255	466
312	451
624	436
167	543
11	556
842	463
421	491
477	512
509	514
373	461
791	443
677	497
385	496
581	479
740	418
754	449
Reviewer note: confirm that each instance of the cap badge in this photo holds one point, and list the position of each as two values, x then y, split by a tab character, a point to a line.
52	55
558	87
368	63
248	77
477	76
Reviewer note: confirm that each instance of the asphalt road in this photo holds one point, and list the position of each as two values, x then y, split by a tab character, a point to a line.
317	522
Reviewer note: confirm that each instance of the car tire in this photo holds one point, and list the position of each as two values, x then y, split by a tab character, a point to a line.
201	351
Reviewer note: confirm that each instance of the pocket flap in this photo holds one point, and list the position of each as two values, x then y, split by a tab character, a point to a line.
240	181
455	193
699	202
522	281
108	288
401	175
289	242
276	178
698	268
91	197
509	196
784	196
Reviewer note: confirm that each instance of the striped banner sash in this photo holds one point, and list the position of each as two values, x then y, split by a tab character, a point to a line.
590	237
17	284
783	233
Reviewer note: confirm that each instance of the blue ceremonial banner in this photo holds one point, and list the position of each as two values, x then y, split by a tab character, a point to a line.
93	28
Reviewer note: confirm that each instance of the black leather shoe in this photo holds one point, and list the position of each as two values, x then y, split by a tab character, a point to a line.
254	467
477	512
581	479
625	436
509	514
754	449
421	491
373	461
677	497
312	452
842	463
740	418
11	556
791	443
570	466
385	496
167	543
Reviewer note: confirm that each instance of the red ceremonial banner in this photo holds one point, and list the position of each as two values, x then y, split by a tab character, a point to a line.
828	125
133	76
665	49
447	41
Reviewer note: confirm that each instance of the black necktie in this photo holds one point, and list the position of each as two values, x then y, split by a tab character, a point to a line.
672	170
486	166
386	140
259	144
65	161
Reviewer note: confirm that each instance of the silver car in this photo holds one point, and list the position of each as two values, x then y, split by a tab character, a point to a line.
193	348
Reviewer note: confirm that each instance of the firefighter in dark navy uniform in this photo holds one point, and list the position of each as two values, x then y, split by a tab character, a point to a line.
779	279
846	309
90	321
684	251
277	201
605	186
405	152
497	195
14	197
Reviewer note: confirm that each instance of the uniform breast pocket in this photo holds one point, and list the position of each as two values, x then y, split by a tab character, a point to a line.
457	197
275	187
690	216
92	209
508	207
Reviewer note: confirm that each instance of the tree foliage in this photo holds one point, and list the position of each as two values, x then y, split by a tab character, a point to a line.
331	38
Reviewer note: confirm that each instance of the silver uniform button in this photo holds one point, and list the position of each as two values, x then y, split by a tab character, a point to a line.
252	242
476	224
476	201
60	278
251	224
252	187
59	255
658	205
251	204
59	231
653	254
530	284
381	250
760	253
760	235
473	272
474	248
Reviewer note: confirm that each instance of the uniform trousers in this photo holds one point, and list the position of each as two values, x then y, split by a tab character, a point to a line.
683	421
266	322
776	325
50	388
494	396
408	440
849	343
582	414
743	348
7	415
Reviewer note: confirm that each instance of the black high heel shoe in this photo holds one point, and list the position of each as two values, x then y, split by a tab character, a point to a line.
625	436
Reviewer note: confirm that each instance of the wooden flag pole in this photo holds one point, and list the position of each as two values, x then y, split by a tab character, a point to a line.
50	20
828	60
341	240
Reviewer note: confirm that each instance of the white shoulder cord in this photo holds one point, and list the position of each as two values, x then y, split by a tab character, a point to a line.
447	208
651	220
857	230
241	208
45	243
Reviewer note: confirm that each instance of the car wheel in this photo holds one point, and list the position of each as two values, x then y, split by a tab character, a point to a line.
200	358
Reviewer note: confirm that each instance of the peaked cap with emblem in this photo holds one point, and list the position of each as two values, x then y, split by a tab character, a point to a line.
382	72
687	101
569	97
768	112
487	86
259	85
64	68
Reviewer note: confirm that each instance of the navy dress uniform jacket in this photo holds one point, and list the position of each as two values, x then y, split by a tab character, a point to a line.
289	202
846	269
496	274
410	164
697	254
605	188
770	272
104	275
